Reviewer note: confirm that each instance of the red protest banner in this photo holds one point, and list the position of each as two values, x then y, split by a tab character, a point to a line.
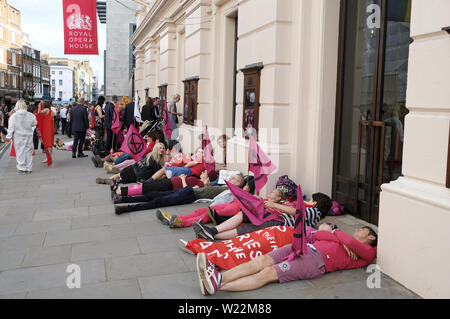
80	27
238	250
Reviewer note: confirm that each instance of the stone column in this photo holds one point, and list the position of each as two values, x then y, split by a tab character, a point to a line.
139	53
168	59
414	248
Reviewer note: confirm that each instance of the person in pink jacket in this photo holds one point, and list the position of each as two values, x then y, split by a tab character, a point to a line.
329	252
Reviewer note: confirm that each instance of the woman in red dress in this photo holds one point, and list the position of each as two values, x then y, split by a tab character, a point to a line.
46	128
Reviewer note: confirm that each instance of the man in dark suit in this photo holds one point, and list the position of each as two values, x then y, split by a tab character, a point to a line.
80	123
129	114
107	124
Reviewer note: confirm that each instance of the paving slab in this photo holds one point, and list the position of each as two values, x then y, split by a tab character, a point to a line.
144	265
43	226
41	256
120	289
74	236
105	249
42	277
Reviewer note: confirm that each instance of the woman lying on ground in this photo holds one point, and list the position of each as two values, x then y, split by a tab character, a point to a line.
141	170
193	167
284	213
216	213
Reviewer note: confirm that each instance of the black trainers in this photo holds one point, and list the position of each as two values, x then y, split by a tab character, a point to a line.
121	209
202	232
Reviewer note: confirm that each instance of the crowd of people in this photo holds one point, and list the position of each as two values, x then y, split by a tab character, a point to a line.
166	176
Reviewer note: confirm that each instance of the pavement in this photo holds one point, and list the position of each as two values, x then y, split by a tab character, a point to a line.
58	216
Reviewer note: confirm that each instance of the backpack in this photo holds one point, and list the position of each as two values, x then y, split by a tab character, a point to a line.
288	187
336	209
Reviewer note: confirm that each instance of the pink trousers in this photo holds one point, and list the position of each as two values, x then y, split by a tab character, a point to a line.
227	209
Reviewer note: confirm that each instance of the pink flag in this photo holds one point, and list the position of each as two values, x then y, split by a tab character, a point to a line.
167	125
208	162
134	144
260	164
300	240
115	127
251	206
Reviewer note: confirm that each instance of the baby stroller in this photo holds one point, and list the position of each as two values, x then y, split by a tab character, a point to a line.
152	126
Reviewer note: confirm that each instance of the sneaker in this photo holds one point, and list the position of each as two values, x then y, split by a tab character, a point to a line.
163	217
208	274
175	222
182	244
202	232
19	172
119	210
100	180
28	172
94	160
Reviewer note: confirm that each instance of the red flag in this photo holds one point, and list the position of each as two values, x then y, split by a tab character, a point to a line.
115	127
167	125
251	206
80	27
46	131
209	163
134	144
299	242
13	151
260	164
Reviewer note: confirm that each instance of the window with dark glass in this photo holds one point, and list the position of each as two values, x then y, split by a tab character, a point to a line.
252	80
162	97
190	100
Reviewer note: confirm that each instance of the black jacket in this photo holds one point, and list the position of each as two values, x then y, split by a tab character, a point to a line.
109	115
129	114
79	118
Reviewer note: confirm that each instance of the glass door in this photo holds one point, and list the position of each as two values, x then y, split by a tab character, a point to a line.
373	59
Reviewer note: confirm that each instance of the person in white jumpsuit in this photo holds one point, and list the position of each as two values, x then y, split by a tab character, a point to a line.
20	129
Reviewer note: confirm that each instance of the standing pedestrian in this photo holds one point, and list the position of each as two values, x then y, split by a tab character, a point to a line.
173	116
111	138
2	126
80	124
63	116
46	128
21	125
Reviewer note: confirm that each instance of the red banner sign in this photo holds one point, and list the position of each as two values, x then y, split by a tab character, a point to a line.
238	250
80	27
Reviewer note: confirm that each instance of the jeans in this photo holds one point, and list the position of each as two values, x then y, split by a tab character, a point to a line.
161	199
177	171
78	142
122	158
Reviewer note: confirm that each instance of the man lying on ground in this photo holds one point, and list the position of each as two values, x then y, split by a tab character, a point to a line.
217	213
316	209
327	254
186	195
241	249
